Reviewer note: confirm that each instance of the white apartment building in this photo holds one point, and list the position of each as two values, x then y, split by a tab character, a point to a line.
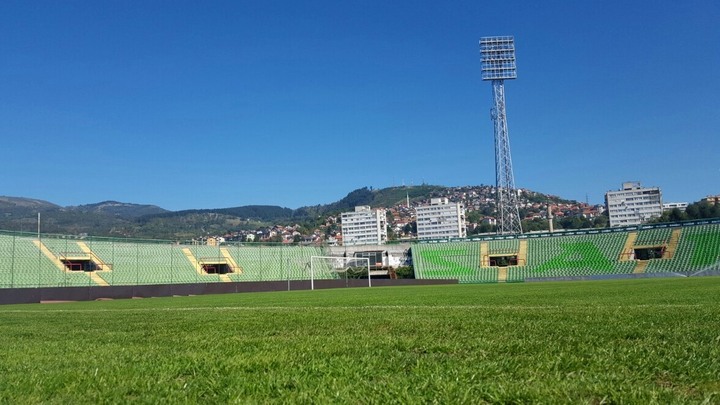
364	226
633	204
441	220
682	206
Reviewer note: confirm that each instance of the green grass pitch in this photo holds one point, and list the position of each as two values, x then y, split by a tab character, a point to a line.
629	341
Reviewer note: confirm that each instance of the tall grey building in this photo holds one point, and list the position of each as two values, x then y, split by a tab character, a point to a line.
633	204
364	226
441	220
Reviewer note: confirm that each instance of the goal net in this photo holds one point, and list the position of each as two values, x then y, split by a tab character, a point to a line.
342	268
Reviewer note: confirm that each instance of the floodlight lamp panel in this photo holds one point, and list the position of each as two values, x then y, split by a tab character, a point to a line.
498	58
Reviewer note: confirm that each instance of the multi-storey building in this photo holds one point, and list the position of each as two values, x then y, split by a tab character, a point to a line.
364	226
682	206
633	204
712	199
441	220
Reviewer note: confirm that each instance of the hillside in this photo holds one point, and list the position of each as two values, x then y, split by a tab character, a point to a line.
22	205
119	209
117	219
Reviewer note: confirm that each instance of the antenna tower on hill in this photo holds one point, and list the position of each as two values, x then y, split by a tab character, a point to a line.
498	65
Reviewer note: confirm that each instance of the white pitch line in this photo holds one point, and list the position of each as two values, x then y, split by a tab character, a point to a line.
367	307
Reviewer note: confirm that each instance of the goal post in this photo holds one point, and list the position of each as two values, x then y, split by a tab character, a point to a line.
337	266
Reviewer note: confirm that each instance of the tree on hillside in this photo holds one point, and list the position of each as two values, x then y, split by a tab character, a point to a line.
601	221
702	209
361	196
696	210
574	222
474	217
410	228
537	224
390	233
483	228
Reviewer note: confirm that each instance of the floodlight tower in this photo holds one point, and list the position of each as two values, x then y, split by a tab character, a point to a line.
498	64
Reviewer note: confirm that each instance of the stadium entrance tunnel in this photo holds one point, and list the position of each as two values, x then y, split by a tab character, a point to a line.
79	263
649	252
216	266
503	261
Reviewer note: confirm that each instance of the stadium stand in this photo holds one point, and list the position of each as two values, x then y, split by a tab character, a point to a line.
147	262
61	261
459	260
654	236
506	246
573	256
264	263
549	256
24	264
698	249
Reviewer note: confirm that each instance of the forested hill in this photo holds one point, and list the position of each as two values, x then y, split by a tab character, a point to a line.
255	212
112	218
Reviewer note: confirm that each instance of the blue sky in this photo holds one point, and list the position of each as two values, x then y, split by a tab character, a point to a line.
219	104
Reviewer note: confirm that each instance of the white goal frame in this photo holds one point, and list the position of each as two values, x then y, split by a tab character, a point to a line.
341	259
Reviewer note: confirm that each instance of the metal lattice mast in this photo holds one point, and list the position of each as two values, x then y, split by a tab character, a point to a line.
498	64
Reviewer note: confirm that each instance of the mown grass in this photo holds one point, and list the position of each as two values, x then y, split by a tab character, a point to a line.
636	341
